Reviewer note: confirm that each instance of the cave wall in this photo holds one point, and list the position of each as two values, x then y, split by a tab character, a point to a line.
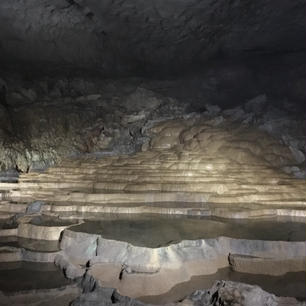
135	36
55	57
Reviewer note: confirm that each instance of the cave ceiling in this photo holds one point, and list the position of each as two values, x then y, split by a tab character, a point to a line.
132	36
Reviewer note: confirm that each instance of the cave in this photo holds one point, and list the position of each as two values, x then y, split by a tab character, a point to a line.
152	152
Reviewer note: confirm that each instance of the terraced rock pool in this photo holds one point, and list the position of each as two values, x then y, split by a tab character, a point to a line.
267	243
21	276
157	230
168	257
33	283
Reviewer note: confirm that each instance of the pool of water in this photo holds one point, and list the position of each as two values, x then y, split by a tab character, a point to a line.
290	284
30	244
22	276
45	220
156	230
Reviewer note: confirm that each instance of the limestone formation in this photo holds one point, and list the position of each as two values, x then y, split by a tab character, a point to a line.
193	165
154	271
229	293
187	161
152	153
221	293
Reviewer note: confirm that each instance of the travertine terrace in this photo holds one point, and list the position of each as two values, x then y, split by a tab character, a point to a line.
152	152
193	166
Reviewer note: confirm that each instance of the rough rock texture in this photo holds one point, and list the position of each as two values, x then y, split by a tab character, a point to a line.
194	159
44	119
51	119
227	140
93	261
132	35
231	293
225	293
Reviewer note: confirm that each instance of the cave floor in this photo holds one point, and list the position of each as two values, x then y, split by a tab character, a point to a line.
203	200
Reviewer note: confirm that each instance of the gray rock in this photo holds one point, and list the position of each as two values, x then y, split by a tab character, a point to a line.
34	207
233	293
3	83
256	105
134	117
301	174
216	121
221	293
93	97
29	93
290	170
70	270
290	141
235	114
212	110
10	176
249	119
100	296
79	245
297	154
142	99
55	93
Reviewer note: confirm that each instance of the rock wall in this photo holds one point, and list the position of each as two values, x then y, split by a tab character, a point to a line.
46	119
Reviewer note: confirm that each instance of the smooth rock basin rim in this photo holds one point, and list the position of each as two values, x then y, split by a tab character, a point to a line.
155	231
162	258
159	231
152	152
192	166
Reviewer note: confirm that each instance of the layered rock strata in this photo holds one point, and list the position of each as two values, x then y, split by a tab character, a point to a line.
195	161
197	165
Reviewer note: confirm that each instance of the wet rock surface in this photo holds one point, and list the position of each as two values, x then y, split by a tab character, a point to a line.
218	163
230	293
142	270
47	276
28	283
96	263
221	293
135	146
114	110
157	231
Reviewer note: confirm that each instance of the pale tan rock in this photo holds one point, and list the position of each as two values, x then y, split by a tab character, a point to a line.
190	161
32	231
267	266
